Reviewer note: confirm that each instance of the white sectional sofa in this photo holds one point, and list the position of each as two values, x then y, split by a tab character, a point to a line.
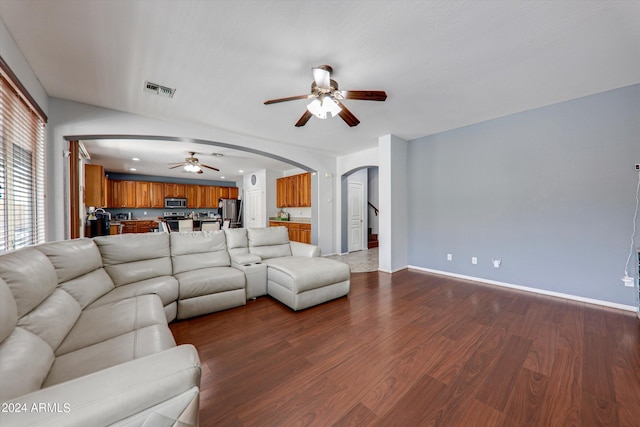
84	336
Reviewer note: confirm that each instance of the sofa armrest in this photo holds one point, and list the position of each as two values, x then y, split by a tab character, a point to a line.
304	249
239	260
108	396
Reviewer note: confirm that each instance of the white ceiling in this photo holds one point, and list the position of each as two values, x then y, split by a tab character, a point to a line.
443	64
154	157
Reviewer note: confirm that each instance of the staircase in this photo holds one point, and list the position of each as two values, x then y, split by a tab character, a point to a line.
373	240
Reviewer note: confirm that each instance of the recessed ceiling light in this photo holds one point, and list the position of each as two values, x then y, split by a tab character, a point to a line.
135	159
222	177
240	171
133	169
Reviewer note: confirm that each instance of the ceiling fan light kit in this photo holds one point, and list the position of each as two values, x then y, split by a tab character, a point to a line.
326	98
319	107
192	164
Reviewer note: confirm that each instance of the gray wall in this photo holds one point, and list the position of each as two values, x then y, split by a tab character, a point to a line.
550	191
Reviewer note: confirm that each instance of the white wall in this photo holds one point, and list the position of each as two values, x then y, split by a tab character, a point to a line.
69	118
394	199
13	57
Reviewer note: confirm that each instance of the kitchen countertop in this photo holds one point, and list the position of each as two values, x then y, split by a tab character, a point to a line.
299	220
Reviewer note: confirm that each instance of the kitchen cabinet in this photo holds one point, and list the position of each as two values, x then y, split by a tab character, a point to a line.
105	194
298	232
122	194
222	192
191	192
305	233
143	191
94	186
138	226
156	195
294	191
143	194
174	190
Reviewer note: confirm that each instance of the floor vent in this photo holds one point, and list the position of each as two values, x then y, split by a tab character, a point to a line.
158	89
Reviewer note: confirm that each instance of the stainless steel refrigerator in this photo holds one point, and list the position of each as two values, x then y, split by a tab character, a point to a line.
231	212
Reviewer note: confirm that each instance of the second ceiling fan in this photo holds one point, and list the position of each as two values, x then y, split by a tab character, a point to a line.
327	98
192	164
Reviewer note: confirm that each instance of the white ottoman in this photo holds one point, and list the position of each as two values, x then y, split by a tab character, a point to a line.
301	282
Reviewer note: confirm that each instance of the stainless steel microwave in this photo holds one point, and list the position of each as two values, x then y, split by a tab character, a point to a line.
175	203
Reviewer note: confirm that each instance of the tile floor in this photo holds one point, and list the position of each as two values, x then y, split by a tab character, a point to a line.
361	261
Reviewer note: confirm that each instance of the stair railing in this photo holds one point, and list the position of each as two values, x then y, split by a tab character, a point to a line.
375	210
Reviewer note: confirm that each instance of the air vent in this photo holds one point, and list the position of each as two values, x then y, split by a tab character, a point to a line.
158	89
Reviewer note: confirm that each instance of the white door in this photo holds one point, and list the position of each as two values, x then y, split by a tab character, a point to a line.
254	209
355	216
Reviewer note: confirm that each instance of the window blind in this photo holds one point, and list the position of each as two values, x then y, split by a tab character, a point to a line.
22	219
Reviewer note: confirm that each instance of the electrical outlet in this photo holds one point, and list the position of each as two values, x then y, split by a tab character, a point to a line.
628	281
496	262
449	257
474	260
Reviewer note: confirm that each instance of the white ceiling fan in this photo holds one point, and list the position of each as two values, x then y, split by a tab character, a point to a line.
192	164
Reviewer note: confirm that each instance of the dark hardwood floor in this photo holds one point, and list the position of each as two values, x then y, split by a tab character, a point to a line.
417	349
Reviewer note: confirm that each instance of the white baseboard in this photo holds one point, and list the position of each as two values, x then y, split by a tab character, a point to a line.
394	271
528	289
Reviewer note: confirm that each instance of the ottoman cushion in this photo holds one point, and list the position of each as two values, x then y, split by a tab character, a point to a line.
300	274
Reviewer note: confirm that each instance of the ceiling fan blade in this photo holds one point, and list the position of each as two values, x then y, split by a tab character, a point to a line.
322	76
291	98
173	167
347	115
304	119
365	95
209	167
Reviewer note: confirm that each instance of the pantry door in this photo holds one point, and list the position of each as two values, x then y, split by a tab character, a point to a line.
355	199
256	216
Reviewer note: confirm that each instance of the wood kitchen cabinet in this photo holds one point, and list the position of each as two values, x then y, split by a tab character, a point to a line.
191	192
143	194
94	186
305	233
294	191
156	195
298	232
174	190
122	194
138	226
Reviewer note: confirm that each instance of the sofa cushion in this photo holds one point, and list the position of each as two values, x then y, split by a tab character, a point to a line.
208	281
85	281
53	318
66	255
131	258
237	242
194	250
25	360
166	287
111	352
269	242
101	323
8	311
30	276
89	287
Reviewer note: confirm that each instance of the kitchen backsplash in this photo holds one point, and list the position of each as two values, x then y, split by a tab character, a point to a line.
154	213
